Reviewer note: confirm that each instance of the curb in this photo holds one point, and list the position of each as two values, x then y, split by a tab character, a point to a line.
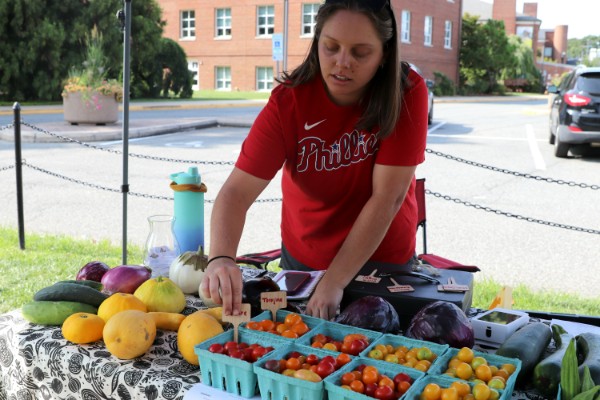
115	131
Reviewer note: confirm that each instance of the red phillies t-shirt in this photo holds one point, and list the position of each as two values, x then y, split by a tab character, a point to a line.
328	168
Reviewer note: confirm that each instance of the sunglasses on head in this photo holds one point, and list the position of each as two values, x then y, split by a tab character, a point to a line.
373	5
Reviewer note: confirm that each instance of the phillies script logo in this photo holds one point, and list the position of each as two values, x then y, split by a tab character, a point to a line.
349	149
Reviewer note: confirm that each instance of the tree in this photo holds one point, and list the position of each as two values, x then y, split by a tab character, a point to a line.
42	40
485	52
179	77
578	49
523	65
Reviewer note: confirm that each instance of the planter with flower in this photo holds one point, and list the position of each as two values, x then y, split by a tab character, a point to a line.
88	96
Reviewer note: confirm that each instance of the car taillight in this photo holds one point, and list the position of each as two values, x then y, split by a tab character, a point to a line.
576	100
574	128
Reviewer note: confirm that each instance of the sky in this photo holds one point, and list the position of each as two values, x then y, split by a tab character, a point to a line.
580	15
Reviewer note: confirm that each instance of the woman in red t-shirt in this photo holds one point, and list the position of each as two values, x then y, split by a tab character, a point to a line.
348	129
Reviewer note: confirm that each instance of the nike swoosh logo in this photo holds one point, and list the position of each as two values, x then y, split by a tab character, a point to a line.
309	127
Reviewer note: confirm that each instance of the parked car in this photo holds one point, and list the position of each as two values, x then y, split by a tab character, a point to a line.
575	110
429	84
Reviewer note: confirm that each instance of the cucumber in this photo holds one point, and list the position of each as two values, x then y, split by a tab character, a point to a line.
528	345
93	284
53	312
67	291
546	374
588	345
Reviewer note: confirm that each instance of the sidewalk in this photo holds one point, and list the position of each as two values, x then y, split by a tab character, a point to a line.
48	132
148	127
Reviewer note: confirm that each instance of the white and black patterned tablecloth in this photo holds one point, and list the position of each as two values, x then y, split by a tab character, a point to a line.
37	362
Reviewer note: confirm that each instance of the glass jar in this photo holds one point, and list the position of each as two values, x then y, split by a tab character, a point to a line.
161	246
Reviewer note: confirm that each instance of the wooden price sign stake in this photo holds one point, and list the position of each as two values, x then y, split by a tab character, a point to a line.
371	278
452	286
236	320
399	288
273	301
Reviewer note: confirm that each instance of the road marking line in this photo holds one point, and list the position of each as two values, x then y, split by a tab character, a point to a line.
474	137
538	160
435	127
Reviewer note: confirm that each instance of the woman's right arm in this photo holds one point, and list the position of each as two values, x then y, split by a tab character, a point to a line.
222	281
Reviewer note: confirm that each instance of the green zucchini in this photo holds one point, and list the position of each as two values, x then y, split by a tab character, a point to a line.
588	345
53	312
528	345
546	374
67	291
86	282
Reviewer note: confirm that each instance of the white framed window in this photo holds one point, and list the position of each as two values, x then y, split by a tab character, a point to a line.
264	78
223	78
193	66
223	22
428	30
188	24
265	20
405	27
309	12
448	35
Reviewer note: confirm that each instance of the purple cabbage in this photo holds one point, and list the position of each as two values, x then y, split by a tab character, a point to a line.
444	323
92	271
370	312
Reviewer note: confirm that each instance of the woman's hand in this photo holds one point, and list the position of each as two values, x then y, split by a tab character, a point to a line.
222	283
325	300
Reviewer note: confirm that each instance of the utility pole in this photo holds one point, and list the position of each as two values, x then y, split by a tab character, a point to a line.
285	34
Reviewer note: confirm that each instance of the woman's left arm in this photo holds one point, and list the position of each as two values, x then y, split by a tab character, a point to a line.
390	185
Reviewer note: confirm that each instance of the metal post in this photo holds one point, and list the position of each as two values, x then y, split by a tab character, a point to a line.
285	34
19	169
126	79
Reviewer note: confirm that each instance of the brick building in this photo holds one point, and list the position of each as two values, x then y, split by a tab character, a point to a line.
229	43
549	45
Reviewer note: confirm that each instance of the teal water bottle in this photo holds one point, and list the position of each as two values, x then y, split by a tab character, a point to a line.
189	209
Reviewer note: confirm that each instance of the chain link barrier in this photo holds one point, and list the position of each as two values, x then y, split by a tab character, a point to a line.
514	173
511	215
5	127
427	191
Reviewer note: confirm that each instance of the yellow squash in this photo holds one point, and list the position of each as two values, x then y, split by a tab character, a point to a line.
119	302
83	328
161	294
166	320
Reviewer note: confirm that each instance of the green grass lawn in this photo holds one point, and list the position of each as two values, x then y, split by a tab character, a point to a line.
48	258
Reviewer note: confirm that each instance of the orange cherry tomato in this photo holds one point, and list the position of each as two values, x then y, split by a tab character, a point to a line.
370	375
289	334
357	386
347	378
292	319
293	363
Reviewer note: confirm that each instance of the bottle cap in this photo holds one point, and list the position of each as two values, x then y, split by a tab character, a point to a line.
185	178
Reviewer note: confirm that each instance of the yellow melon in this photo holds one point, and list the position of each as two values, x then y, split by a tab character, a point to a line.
129	334
195	329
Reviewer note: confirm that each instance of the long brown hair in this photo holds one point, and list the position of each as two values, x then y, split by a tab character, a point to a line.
384	94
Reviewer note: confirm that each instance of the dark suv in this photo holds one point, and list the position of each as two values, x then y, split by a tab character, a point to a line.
575	110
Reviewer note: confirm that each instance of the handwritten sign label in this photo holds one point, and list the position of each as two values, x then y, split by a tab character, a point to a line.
396	287
236	320
371	278
452	286
273	301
